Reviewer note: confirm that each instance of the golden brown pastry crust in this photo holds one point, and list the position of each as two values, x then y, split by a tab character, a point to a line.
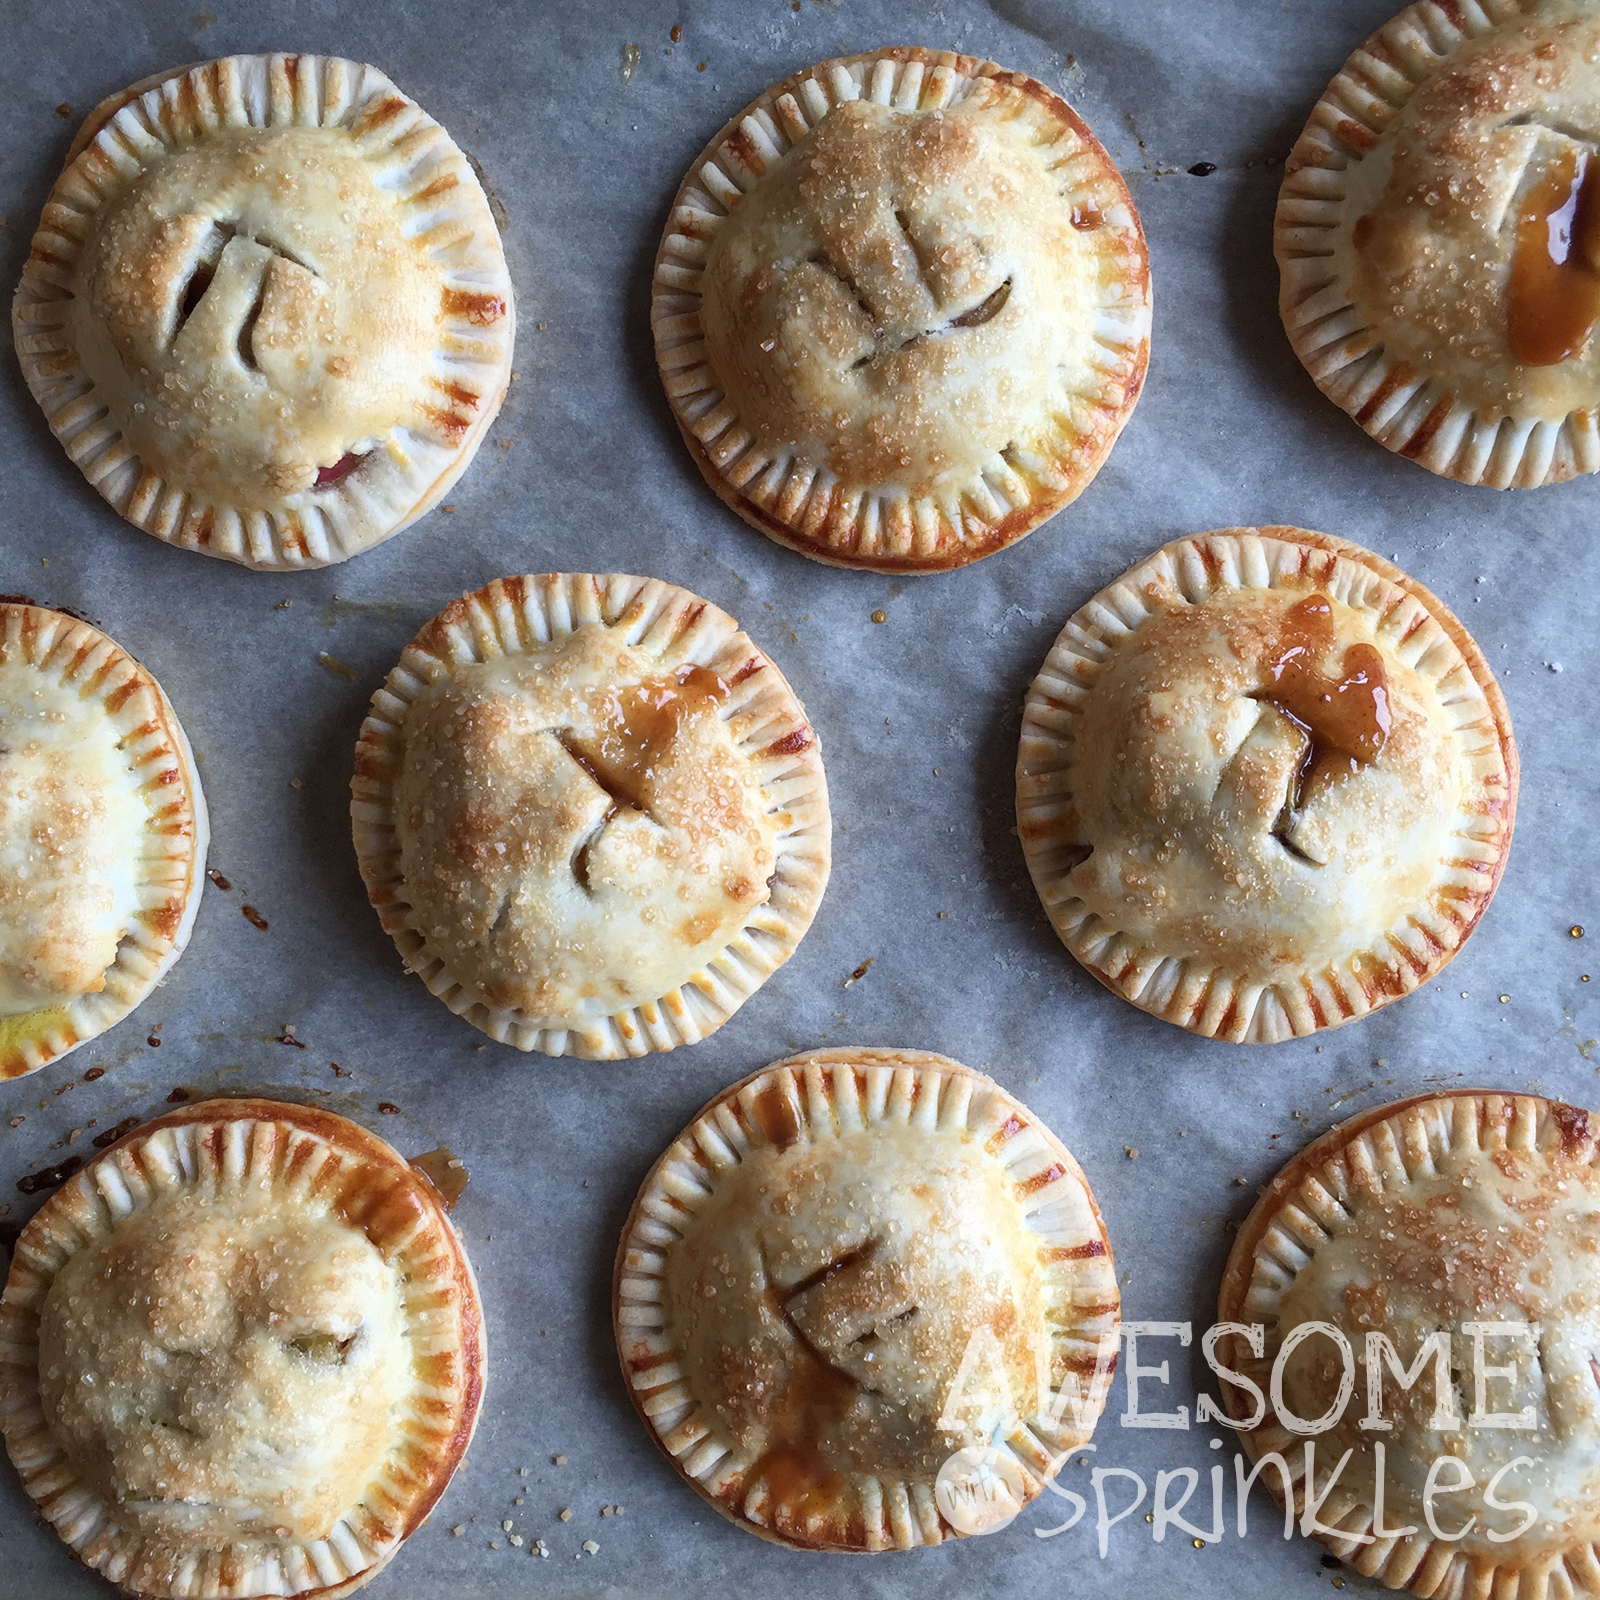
902	309
1412	1218
103	835
591	813
273	1361
1397	238
1189	846
266	310
802	1272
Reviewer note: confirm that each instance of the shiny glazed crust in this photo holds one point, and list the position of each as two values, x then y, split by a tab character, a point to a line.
305	1162
1279	953
865	1139
1405	326
110	684
767	730
207	424
915	483
1473	1206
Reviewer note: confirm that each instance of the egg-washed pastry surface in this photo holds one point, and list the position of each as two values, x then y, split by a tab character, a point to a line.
591	812
845	1279
266	310
902	309
102	835
1266	783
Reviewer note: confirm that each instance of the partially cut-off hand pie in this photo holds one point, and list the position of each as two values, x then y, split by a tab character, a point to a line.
902	309
1266	783
266	310
591	813
102	835
1438	234
854	1277
1471	1220
241	1353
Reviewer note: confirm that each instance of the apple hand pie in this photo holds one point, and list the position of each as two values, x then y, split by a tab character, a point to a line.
902	309
1438	235
241	1353
266	310
1471	1220
102	835
591	813
1266	784
850	1271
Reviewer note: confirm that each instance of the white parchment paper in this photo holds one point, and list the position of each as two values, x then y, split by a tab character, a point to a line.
918	719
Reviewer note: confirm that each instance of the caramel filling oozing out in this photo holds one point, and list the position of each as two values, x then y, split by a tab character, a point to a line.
1555	266
445	1170
797	1464
635	727
776	1115
797	1467
1344	716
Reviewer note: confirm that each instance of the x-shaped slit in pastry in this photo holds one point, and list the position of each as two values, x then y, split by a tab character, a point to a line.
327	1348
823	1274
916	250
990	306
1556	125
974	316
1339	715
247	328
1553	212
203	269
1299	779
203	272
850	1258
1283	831
822	259
619	802
875	1333
1535	168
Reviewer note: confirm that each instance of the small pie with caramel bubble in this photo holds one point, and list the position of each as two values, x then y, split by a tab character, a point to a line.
1438	235
591	813
241	1353
103	835
902	309
1424	1287
853	1273
266	310
1266	784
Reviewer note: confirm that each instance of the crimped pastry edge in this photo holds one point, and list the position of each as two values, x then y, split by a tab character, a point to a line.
995	509
883	1084
676	626
1210	1000
396	485
135	704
